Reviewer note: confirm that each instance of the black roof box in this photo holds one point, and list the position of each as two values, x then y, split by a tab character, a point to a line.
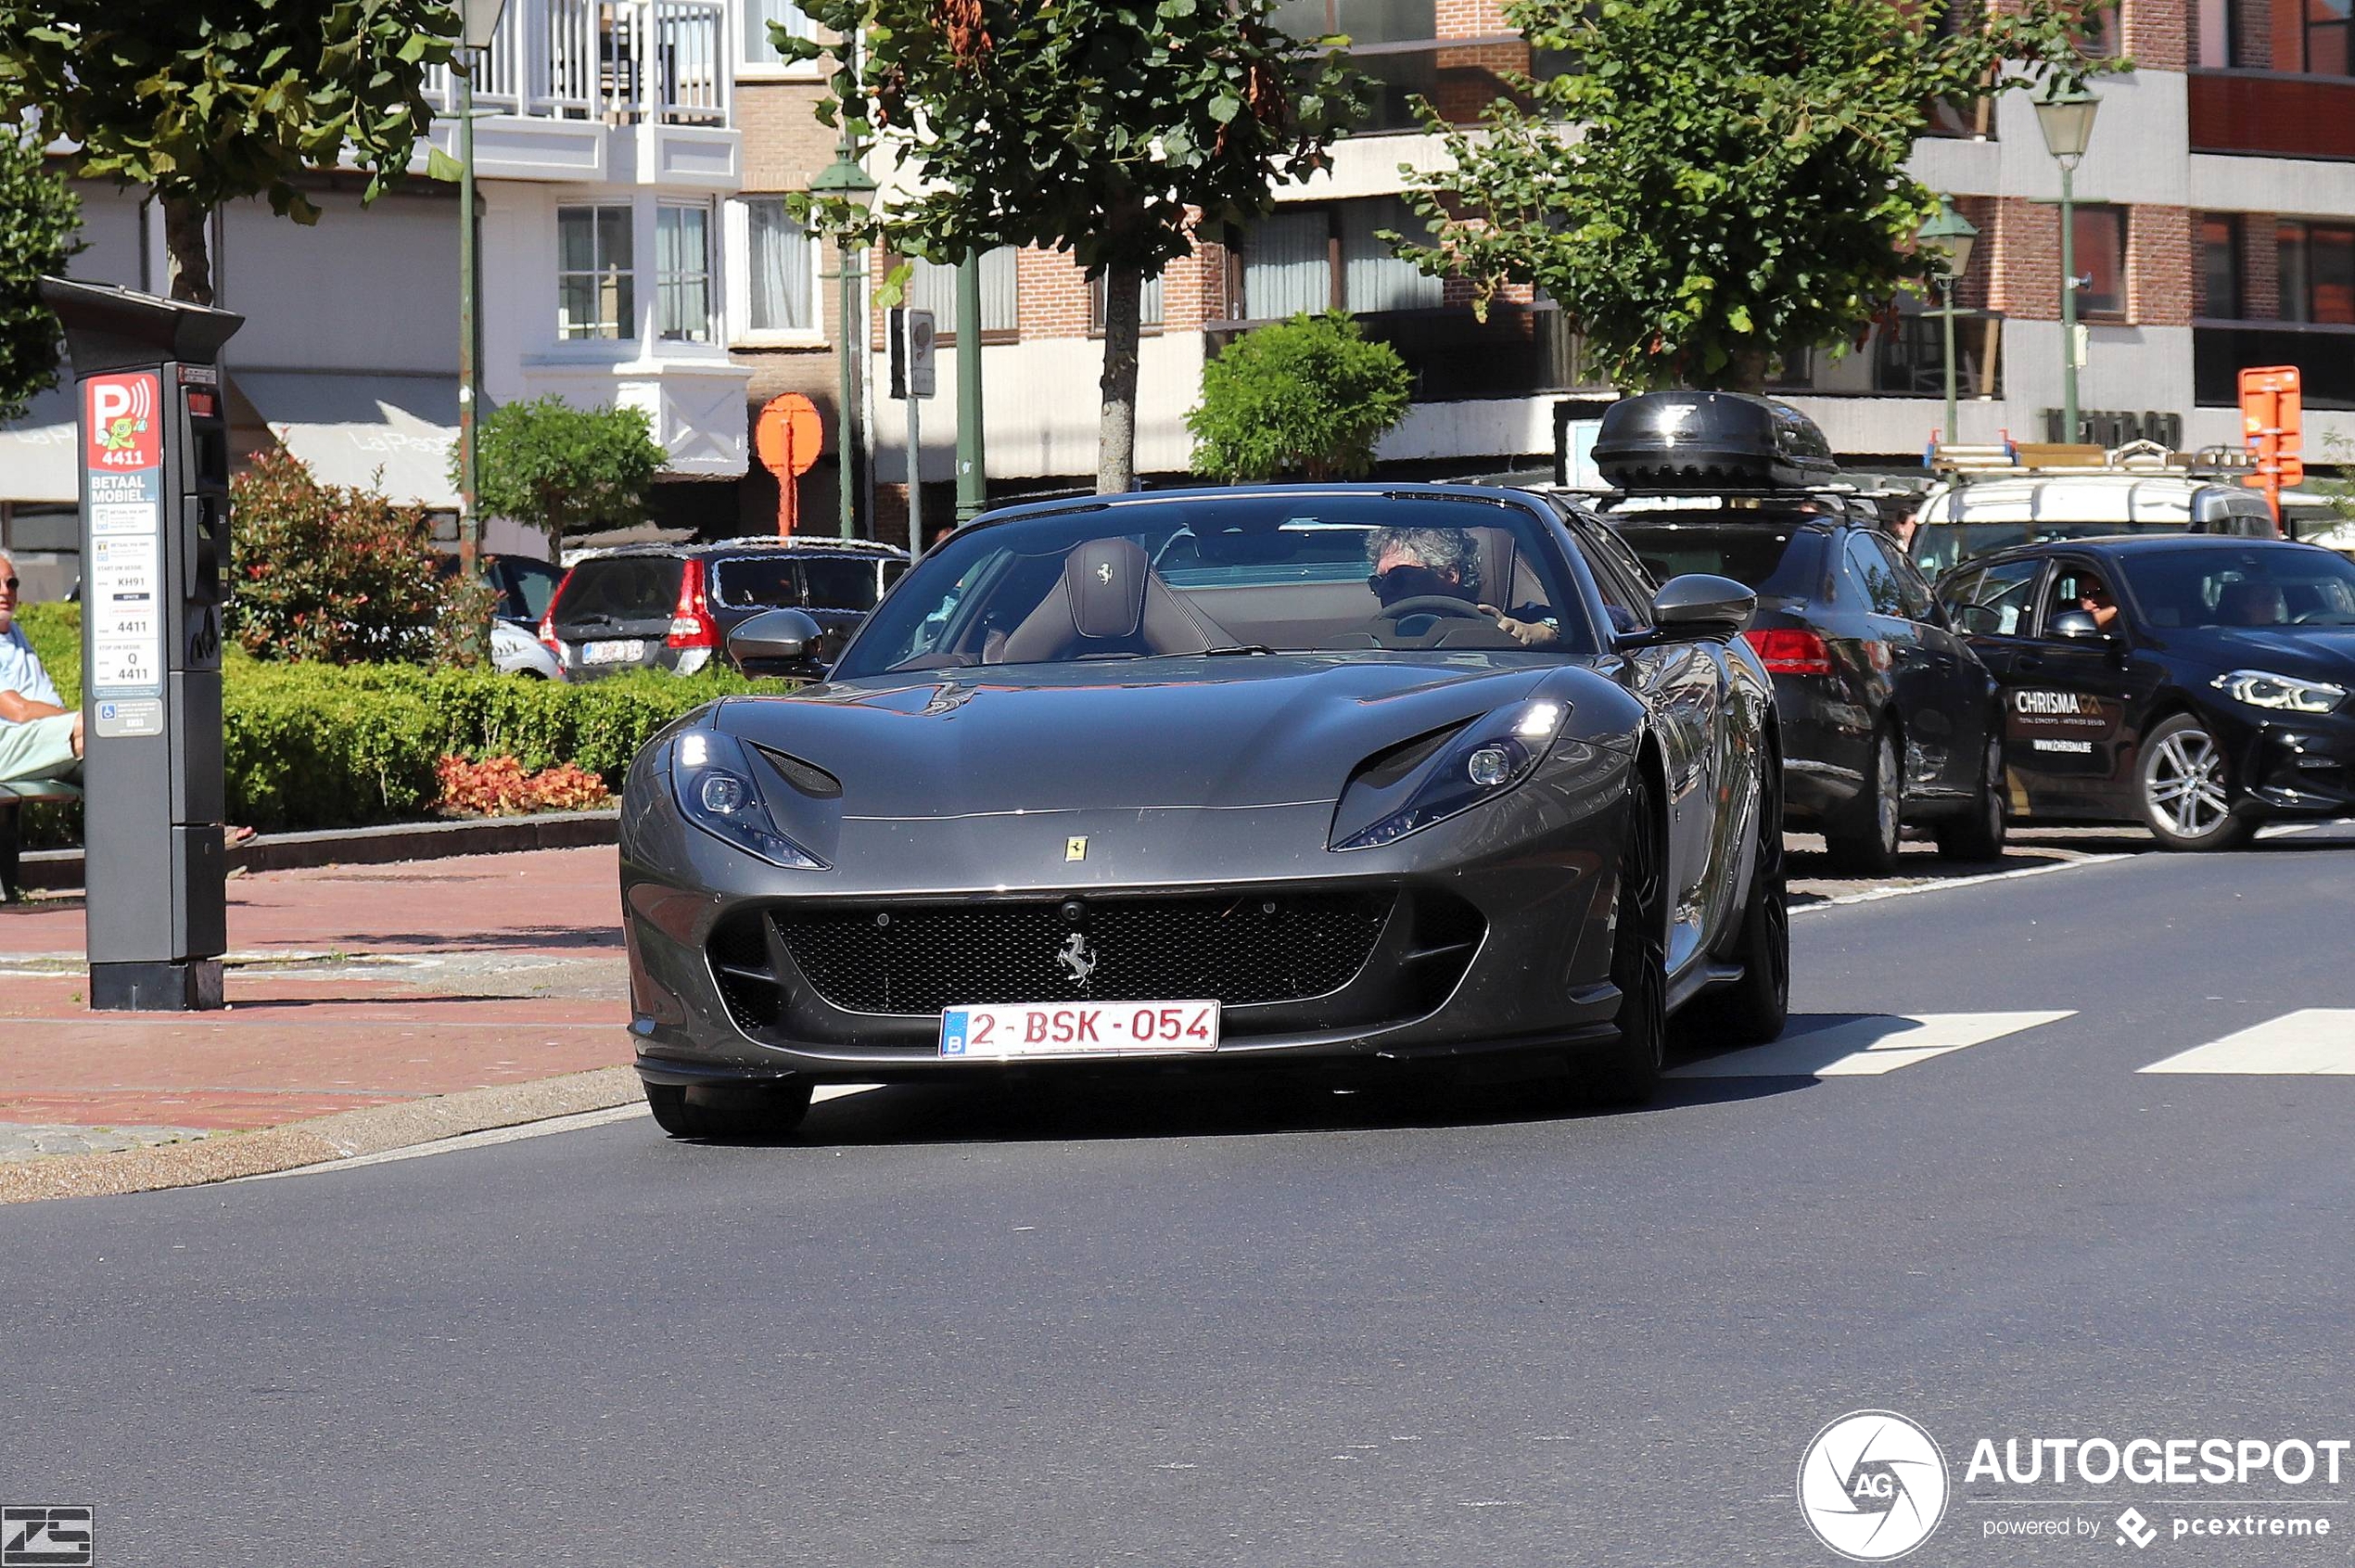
1676	442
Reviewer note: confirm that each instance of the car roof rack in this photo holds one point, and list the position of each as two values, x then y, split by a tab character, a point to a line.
2009	459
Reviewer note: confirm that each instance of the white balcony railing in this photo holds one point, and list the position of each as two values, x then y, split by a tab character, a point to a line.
618	61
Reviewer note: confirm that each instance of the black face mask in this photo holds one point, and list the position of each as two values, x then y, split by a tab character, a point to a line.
1401	583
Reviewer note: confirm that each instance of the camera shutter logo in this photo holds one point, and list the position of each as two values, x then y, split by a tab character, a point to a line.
1872	1485
50	1536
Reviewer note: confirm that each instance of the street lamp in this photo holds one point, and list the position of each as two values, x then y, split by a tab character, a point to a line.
478	24
845	179
1949	236
2066	116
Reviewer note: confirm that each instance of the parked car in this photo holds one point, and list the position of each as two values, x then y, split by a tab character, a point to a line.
2136	491
1887	718
2198	687
524	587
671	606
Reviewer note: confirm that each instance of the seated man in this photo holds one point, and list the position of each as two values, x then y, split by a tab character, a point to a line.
2093	597
1426	563
38	738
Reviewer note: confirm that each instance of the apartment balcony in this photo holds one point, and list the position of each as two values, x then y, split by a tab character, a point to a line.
619	91
2273	114
2324	355
1905	358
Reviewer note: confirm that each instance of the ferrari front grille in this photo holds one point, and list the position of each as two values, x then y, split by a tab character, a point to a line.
1236	949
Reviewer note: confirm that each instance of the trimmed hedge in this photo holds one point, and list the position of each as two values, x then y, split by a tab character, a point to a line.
315	745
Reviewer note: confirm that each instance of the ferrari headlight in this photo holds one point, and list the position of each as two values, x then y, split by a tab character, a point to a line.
1486	758
712	779
2261	688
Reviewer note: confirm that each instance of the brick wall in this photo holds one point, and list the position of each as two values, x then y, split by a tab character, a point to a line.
2160	260
2024	268
2261	267
2253	34
784	142
2159	33
1471	19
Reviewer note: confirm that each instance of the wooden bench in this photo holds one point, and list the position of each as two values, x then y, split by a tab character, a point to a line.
12	795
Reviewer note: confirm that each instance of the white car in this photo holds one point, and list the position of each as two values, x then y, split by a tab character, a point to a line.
515	651
1972	513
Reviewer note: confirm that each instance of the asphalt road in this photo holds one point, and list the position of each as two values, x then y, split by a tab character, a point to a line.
1197	1323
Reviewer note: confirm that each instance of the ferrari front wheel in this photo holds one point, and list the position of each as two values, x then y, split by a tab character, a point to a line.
1628	1071
729	1111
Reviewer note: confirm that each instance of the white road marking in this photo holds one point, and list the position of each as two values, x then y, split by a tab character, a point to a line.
2318	1041
1864	1047
1874	895
490	1137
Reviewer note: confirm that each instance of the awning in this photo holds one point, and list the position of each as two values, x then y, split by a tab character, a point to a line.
36	452
391	434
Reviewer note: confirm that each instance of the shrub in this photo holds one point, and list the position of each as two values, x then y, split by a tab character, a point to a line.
497	786
54	631
1307	397
337	575
566	471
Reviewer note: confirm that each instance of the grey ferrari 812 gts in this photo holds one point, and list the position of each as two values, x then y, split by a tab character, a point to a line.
1349	774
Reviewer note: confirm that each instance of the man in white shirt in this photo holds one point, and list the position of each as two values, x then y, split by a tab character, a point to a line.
39	739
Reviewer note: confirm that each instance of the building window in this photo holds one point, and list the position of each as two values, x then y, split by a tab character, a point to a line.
2212	36
760	53
2101	261
933	287
2318	273
596	283
780	273
1149	311
2326	52
2220	268
1365	21
682	273
1326	257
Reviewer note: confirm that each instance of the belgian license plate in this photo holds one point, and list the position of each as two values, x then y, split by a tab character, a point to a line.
1067	1029
628	650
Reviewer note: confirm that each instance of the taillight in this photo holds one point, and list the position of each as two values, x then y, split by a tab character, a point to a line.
690	622
548	639
1790	653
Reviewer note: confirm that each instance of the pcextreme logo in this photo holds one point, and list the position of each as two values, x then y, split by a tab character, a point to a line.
1872	1485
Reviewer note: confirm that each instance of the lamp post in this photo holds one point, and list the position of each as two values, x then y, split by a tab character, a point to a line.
1948	235
478	24
2066	116
844	178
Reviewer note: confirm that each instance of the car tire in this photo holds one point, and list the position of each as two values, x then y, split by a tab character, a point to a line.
2183	789
1753	1010
1627	1071
729	1111
1866	844
1979	834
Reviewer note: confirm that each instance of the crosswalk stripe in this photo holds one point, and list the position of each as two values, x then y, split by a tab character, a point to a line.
1840	1046
2313	1039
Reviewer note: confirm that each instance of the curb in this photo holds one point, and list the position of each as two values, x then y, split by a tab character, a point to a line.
373	1129
59	870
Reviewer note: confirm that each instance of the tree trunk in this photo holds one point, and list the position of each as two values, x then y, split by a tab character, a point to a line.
1116	428
184	237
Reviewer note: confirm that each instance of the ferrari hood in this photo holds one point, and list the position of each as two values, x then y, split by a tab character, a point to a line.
1228	732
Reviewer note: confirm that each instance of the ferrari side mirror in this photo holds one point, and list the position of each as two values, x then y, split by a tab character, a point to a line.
1698	605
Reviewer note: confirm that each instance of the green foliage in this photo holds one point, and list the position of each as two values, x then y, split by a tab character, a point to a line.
1724	180
213	102
340	575
54	631
38	220
1307	397
565	470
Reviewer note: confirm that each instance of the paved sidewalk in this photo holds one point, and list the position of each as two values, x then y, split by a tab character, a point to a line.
349	986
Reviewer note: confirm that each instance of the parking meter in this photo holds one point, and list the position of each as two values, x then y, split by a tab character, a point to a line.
155	560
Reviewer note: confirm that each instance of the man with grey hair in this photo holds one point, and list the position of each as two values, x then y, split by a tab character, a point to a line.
1428	563
39	739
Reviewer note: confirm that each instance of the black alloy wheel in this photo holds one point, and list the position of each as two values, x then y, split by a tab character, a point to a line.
2185	789
1627	1071
1866	844
730	1111
1979	834
1753	1010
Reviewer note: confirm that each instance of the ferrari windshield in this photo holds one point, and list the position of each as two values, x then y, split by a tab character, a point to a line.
1220	573
2266	585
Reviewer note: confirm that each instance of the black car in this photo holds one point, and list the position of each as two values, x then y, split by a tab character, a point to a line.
2195	684
671	606
1887	718
1216	777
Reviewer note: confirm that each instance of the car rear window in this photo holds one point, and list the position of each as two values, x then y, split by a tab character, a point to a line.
620	588
846	584
754	582
532	584
1763	558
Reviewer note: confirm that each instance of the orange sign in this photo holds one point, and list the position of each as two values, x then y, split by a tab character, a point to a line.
787	438
2272	421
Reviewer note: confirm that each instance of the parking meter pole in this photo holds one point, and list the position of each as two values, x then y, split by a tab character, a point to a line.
155	550
972	485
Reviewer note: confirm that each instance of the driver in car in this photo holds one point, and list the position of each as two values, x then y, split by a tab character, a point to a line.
1436	563
2093	597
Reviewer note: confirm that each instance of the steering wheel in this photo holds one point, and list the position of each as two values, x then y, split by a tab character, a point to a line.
1433	603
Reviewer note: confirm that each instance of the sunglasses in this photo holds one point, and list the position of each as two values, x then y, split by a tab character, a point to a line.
8	582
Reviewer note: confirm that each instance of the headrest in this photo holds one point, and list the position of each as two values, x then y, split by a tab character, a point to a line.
2249	602
1106	580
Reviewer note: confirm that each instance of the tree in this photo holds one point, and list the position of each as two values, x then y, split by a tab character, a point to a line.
38	220
1309	396
1724	180
1118	130
565	470
208	101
